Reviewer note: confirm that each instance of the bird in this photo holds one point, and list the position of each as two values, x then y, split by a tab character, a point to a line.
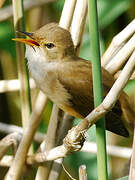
66	79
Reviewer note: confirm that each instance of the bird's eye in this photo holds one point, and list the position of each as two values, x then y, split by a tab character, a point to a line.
49	45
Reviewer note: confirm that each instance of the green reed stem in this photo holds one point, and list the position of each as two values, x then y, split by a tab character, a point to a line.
97	87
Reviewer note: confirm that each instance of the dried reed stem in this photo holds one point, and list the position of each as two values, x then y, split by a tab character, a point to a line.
120	58
67	14
82	173
13	85
89	147
50	141
117	43
6	12
78	23
7	129
22	68
8	141
116	151
15	171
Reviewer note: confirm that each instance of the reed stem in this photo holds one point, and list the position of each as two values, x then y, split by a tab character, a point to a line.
97	87
18	13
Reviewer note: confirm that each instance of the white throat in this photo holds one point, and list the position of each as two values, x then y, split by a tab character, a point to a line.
36	62
41	70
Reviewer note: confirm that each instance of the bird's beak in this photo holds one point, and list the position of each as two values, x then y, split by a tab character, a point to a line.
30	42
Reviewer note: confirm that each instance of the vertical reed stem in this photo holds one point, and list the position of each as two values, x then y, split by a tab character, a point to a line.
18	15
97	87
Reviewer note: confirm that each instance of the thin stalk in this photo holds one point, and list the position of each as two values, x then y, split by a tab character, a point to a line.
18	13
67	14
82	172
15	170
97	87
50	141
28	5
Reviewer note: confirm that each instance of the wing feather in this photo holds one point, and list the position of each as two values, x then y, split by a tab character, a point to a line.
77	80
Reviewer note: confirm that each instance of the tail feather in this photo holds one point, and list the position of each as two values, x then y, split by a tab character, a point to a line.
128	111
114	122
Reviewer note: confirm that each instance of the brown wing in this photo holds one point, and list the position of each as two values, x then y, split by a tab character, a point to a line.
77	80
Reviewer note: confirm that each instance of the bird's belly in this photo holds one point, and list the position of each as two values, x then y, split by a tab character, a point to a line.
59	95
54	90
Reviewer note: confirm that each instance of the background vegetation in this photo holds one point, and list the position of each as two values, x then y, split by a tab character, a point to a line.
114	15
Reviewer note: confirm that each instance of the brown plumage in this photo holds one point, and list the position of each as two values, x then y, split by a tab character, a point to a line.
67	80
78	83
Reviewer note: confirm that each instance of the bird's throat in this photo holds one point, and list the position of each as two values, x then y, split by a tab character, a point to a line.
36	62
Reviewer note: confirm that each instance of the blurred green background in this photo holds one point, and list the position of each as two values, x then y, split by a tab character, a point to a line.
114	15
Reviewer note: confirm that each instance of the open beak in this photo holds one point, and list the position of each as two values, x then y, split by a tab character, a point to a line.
30	42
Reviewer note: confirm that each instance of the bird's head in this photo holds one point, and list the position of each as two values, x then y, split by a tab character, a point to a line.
55	41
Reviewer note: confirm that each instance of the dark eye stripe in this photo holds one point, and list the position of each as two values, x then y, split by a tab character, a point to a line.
49	45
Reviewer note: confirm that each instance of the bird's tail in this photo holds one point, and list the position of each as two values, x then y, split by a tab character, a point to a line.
121	118
128	109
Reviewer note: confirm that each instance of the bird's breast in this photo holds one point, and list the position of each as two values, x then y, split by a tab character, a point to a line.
45	75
